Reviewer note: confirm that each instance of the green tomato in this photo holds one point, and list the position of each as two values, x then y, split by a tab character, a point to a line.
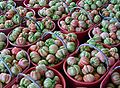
68	20
118	15
35	57
57	5
48	83
2	19
8	24
37	34
86	7
49	42
32	38
8	58
116	8
99	3
52	3
21	54
2	45
71	46
93	6
101	69
3	5
54	8
25	82
105	24
91	41
2	67
73	4
85	54
41	25
29	14
43	62
97	18
55	17
94	61
108	41
42	2
53	48
16	19
104	30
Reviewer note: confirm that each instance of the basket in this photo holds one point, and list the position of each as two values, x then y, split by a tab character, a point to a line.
28	45
81	35
1	59
59	65
33	68
107	78
78	84
106	45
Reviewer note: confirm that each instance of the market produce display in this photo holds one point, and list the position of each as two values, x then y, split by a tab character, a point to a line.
29	34
3	41
107	32
43	77
59	43
112	10
54	49
12	61
57	9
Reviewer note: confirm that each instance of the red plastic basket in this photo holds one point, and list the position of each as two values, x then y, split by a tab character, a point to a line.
80	35
59	65
106	45
33	68
78	84
107	78
23	70
6	31
26	46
